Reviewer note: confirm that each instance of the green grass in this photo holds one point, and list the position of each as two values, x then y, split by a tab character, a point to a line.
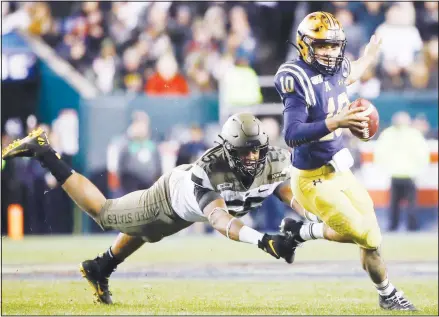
292	296
178	249
327	297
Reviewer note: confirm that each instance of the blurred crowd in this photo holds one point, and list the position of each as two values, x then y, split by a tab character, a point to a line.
163	48
47	209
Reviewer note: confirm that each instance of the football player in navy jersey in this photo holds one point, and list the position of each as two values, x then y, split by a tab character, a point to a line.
316	109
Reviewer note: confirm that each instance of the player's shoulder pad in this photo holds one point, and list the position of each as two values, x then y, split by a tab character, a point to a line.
200	177
211	158
210	162
292	79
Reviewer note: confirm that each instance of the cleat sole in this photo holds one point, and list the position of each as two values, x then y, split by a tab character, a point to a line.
17	143
97	299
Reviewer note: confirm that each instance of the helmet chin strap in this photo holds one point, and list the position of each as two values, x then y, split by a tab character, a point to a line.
291	43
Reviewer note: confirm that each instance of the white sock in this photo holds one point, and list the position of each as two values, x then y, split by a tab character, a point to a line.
385	288
311	217
250	235
312	231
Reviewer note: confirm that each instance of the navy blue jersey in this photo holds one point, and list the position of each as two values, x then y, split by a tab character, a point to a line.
309	98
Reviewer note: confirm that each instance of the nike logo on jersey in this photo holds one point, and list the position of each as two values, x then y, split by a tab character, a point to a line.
262	190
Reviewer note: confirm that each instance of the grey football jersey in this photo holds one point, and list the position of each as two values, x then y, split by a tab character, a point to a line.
211	172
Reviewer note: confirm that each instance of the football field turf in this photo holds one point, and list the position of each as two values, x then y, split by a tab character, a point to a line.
211	275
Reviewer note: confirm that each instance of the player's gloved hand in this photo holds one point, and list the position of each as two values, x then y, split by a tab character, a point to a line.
279	246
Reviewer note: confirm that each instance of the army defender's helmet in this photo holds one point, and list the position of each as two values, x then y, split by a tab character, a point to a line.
245	144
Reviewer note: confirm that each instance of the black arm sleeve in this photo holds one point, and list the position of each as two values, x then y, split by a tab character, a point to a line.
204	196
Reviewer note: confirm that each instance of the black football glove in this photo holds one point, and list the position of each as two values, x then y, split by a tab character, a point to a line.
279	246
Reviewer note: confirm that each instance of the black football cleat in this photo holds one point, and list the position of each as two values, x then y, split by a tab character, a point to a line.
92	271
291	227
32	145
396	301
290	257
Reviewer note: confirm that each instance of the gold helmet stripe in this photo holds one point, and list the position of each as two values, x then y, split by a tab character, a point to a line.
330	22
334	20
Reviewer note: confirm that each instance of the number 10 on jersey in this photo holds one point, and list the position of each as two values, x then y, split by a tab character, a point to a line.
342	101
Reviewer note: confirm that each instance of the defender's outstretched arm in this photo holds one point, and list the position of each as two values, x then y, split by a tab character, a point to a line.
233	228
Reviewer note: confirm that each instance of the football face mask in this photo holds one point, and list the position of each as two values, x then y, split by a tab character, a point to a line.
249	161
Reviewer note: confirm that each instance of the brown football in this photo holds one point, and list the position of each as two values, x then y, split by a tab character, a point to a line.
371	112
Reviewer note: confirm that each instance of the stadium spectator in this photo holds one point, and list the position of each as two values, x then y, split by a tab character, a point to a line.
241	84
421	123
154	32
94	20
130	75
272	128
402	151
201	56
369	14
419	74
41	18
139	163
180	32
105	67
427	20
401	44
18	19
354	33
244	43
431	60
166	80
119	28
192	150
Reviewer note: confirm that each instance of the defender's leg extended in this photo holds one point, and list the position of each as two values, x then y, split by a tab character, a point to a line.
88	197
85	194
98	271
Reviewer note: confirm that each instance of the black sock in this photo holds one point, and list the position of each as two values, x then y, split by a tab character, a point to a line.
59	169
110	260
